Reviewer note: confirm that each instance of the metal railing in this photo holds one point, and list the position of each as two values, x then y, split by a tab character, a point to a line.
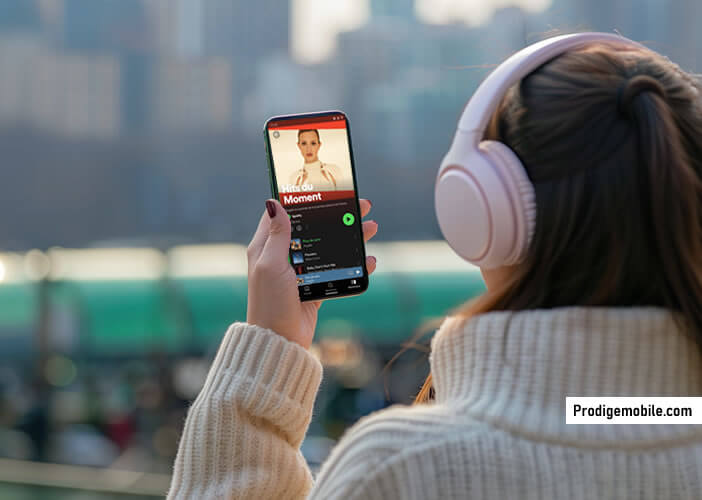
87	479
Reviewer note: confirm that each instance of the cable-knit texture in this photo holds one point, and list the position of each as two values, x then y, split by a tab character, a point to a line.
243	432
497	429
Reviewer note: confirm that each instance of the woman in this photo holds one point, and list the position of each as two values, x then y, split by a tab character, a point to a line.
606	301
321	176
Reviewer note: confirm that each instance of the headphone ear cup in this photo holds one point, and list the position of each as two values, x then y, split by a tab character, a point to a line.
485	206
521	198
462	209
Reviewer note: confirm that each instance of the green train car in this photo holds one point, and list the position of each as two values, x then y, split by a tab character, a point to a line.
132	302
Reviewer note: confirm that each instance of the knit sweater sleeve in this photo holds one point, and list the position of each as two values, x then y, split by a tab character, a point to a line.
243	433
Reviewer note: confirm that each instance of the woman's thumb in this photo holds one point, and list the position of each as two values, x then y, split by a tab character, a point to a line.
278	242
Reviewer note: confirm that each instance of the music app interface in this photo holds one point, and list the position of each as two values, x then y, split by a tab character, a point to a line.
312	164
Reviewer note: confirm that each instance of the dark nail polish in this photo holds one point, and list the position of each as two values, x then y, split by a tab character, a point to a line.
270	206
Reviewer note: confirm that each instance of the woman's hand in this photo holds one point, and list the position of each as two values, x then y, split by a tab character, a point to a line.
273	300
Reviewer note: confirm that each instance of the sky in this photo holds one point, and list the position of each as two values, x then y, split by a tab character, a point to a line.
470	12
316	23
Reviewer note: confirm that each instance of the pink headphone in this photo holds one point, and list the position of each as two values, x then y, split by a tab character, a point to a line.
484	199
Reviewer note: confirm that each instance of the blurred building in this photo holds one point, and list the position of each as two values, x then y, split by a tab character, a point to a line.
241	33
670	27
682	22
177	26
19	15
192	94
121	29
106	25
402	9
281	86
261	28
419	78
71	95
116	100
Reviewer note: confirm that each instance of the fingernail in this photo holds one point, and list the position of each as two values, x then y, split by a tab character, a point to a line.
373	259
270	206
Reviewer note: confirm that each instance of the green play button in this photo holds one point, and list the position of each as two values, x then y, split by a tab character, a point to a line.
348	218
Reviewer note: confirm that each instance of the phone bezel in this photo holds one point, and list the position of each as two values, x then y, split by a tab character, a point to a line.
274	189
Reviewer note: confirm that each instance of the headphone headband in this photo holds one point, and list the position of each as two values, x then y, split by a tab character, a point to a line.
487	97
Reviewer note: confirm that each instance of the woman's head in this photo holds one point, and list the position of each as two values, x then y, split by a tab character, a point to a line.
611	138
309	143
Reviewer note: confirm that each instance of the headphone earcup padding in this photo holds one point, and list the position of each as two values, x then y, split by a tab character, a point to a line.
520	192
463	214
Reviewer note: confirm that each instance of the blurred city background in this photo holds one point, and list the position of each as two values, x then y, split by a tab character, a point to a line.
133	175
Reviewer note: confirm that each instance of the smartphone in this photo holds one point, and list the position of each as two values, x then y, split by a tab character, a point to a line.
312	174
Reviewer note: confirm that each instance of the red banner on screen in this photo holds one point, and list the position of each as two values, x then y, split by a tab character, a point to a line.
291	199
310	125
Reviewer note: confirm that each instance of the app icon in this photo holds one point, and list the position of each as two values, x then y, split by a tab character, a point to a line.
348	219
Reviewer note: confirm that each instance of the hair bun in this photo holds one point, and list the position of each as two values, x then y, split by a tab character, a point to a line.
634	86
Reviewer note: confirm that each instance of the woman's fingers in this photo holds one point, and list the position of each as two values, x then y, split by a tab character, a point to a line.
275	249
253	252
365	206
370	264
272	237
370	228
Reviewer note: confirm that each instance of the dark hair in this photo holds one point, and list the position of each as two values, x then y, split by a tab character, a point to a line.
611	138
300	132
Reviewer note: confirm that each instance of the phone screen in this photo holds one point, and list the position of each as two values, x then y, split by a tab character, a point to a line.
313	176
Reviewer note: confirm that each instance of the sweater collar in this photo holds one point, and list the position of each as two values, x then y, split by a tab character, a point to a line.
515	369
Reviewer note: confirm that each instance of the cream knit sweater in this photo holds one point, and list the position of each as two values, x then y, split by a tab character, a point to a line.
496	431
